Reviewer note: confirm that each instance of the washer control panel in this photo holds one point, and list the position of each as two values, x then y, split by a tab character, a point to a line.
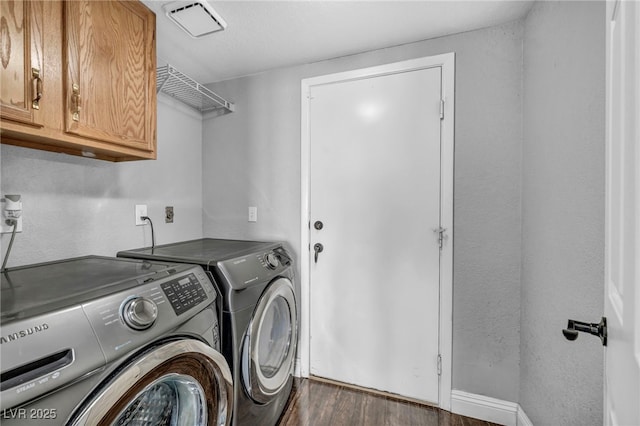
184	293
127	320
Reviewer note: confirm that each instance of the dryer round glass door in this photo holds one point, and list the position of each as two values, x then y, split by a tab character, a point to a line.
180	382
270	342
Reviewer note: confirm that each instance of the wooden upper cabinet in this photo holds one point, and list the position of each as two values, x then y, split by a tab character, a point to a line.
86	88
21	73
110	67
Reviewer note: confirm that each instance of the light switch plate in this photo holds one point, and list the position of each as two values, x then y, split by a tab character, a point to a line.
253	214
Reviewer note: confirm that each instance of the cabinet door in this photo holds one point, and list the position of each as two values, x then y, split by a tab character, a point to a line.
110	68
21	75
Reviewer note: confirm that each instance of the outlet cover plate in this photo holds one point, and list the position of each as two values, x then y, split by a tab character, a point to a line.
141	210
8	229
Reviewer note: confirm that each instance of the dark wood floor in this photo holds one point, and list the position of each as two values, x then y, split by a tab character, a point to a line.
317	403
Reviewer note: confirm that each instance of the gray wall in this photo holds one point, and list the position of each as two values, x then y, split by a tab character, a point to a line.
562	211
252	157
75	206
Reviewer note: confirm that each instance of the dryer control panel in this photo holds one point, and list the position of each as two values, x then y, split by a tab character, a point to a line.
256	268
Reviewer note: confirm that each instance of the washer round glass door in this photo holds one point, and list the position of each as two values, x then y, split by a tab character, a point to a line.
179	383
270	343
174	399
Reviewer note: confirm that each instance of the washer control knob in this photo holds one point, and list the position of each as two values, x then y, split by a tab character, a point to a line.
139	313
271	261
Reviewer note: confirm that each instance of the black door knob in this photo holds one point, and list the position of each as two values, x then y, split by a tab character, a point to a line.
597	329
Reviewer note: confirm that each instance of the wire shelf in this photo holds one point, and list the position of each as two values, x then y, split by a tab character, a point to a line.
175	84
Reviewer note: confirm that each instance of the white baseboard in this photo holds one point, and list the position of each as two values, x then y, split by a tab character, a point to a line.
523	420
297	368
484	408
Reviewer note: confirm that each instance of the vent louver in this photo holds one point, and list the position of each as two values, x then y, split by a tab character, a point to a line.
196	18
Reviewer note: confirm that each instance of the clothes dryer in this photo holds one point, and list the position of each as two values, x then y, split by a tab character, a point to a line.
259	317
99	340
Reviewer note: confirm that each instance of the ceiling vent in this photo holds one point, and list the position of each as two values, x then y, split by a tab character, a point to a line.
197	18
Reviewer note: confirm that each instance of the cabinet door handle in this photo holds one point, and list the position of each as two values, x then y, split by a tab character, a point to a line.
75	98
37	88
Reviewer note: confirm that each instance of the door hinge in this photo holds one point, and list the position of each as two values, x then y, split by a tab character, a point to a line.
439	364
441	109
440	231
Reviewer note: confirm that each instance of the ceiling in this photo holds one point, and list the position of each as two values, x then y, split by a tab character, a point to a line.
263	35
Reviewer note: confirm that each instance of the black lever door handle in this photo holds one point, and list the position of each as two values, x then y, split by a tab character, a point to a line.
317	248
597	329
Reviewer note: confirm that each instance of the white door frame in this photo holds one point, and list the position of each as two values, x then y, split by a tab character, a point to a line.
447	63
622	230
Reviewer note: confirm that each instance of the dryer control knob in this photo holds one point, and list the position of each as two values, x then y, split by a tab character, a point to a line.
139	313
271	261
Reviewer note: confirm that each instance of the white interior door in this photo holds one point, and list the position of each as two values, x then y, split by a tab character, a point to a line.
375	186
622	267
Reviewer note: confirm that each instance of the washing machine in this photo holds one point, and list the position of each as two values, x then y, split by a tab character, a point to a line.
259	317
98	340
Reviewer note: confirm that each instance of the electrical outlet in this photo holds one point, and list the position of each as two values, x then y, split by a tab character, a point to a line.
11	207
253	214
168	214
141	210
